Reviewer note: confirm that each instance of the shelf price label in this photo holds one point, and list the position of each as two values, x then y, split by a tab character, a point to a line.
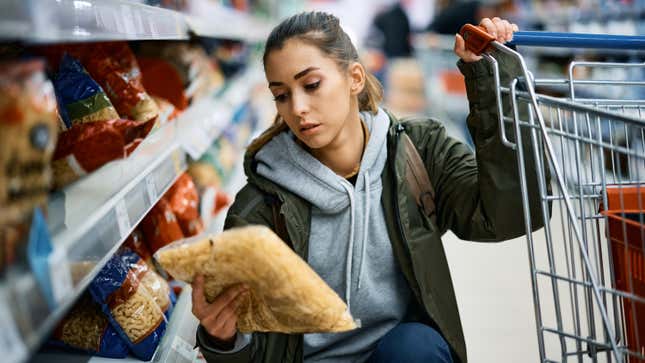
59	275
122	218
12	348
151	188
183	349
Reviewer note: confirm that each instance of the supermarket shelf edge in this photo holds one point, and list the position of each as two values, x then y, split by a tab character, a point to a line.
48	21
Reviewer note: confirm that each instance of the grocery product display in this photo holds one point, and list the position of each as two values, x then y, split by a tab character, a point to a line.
87	329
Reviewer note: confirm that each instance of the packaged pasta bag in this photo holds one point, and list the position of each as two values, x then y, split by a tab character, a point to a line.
88	146
198	74
286	295
80	98
136	243
115	67
28	124
184	202
87	329
161	79
151	280
160	226
123	291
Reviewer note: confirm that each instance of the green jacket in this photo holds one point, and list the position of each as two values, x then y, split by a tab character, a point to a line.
477	197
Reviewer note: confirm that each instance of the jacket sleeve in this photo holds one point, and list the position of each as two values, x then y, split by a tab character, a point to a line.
249	208
478	196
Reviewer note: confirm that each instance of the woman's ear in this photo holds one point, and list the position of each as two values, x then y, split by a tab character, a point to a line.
357	78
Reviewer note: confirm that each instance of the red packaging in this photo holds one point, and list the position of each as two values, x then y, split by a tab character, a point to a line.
161	79
184	202
183	198
86	147
222	200
160	226
115	68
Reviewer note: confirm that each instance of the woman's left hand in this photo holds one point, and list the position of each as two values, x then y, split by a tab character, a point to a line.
501	29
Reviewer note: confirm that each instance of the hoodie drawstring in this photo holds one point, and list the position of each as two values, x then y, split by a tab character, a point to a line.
350	247
366	221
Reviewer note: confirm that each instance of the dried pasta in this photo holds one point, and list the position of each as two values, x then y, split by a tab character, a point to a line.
286	294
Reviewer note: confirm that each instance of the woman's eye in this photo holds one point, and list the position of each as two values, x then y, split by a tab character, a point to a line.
280	98
312	86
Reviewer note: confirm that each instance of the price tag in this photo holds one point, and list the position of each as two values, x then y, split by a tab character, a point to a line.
207	205
122	218
12	348
184	349
151	188
59	275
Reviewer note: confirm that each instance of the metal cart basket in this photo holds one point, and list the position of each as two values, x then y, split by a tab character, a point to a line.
588	262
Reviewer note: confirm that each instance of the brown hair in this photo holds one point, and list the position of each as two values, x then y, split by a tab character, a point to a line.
323	31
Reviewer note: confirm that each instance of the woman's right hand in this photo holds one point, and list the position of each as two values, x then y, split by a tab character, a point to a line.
218	318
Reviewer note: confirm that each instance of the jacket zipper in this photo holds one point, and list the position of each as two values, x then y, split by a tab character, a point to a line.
400	128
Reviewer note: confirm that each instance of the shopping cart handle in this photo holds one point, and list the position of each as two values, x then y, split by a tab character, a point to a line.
579	40
476	37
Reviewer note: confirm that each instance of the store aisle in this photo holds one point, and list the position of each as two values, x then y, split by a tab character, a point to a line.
494	294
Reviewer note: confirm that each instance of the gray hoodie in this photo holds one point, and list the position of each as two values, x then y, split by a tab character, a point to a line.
345	219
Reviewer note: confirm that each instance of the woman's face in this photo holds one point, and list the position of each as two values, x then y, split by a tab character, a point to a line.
312	94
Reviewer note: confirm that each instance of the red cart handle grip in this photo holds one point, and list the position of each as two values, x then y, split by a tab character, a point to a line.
476	37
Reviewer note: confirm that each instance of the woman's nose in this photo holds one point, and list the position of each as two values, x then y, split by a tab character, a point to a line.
300	104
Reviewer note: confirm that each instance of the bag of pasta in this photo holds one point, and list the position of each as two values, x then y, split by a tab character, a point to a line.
158	287
28	124
184	202
123	289
86	328
286	295
80	98
88	146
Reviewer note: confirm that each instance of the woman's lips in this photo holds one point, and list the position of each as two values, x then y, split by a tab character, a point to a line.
309	128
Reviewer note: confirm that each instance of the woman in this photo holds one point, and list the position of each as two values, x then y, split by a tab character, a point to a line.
328	177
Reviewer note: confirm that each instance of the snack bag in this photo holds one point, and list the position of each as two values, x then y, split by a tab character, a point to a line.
80	98
198	74
88	146
133	308
162	80
286	295
160	226
28	124
184	202
115	67
85	328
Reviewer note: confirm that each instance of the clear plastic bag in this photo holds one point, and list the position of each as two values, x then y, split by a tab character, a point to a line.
286	295
133	308
86	328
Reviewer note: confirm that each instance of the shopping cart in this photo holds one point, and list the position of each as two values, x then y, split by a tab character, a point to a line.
587	263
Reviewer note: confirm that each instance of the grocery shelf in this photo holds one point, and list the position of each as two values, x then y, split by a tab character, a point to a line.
46	21
89	219
209	19
56	21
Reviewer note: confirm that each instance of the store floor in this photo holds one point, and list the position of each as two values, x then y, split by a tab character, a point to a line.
493	288
494	294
